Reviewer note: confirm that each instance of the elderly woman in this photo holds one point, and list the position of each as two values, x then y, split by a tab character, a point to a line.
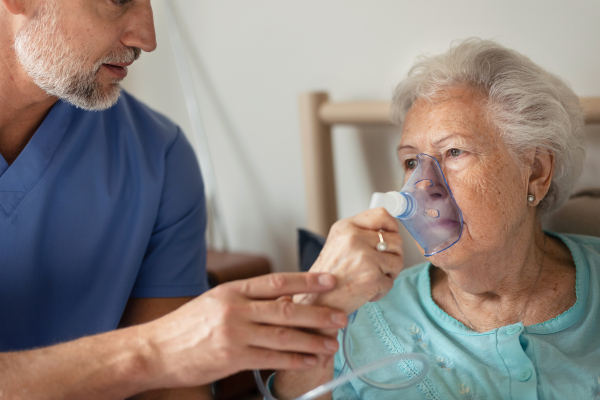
509	311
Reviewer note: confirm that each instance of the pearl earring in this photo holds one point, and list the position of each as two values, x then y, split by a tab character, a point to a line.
530	198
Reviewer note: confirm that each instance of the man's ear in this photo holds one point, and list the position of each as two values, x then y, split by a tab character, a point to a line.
542	171
15	7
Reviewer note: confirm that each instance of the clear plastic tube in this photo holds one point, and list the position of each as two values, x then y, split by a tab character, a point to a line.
217	236
355	372
347	348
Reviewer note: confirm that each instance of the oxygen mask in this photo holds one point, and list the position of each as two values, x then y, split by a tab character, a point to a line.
425	206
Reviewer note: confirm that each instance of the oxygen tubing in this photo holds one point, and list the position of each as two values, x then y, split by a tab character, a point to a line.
355	372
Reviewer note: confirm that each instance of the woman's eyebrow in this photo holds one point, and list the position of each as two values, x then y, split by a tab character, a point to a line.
436	143
447	137
406	146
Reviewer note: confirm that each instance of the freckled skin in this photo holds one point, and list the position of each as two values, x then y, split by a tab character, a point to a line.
492	269
487	184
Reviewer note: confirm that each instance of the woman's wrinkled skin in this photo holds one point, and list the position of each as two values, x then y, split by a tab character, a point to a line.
492	271
493	268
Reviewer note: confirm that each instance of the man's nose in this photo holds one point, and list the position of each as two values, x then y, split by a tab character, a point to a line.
140	30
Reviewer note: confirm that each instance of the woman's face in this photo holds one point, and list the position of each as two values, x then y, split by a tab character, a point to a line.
488	185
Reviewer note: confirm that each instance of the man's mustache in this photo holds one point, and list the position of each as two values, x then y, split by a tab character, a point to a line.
129	55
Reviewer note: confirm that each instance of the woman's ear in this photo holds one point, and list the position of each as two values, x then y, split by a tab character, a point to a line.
15	7
542	171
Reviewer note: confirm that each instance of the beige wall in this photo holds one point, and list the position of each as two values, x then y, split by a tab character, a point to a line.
252	58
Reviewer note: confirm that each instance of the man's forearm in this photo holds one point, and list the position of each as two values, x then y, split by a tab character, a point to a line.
238	325
113	365
194	393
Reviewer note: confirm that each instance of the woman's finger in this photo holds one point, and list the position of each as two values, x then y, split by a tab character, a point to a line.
392	240
349	238
376	219
390	264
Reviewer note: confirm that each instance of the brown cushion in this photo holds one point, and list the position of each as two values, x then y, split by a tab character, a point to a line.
222	266
580	214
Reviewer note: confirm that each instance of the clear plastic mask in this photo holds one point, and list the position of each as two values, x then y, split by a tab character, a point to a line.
425	206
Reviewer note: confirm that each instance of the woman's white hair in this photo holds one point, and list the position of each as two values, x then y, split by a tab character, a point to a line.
531	107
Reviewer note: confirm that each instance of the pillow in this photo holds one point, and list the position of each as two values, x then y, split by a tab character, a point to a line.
580	214
309	248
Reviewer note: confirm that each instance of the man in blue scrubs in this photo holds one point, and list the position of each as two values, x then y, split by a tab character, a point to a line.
102	220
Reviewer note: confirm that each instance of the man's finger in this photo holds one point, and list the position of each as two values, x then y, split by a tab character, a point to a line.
284	313
285	298
257	358
272	286
291	340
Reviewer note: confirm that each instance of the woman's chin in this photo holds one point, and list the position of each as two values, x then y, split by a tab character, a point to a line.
449	259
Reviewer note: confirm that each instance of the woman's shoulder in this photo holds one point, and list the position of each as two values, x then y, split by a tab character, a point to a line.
584	249
584	240
577	239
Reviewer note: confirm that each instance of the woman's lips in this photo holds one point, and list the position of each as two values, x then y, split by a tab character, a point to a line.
118	69
444	223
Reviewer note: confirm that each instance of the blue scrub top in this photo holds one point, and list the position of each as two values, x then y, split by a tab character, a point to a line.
99	207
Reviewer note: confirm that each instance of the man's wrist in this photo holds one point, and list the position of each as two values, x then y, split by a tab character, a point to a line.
131	363
147	365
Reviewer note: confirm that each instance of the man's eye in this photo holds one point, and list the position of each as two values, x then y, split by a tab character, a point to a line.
410	164
121	2
456	152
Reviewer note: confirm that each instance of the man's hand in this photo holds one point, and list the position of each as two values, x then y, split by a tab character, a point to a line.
241	325
236	326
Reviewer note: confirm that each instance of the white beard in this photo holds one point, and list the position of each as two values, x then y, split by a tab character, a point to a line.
60	67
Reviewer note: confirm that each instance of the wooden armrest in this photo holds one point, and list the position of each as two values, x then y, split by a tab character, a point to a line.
225	266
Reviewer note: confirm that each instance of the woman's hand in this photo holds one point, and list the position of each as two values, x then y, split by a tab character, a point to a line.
363	274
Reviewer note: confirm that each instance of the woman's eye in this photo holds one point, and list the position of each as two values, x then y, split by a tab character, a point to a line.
456	152
410	164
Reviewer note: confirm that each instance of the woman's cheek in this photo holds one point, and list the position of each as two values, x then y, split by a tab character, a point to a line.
467	185
475	196
464	162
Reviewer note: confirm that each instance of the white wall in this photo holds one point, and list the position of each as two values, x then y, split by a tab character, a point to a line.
251	59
